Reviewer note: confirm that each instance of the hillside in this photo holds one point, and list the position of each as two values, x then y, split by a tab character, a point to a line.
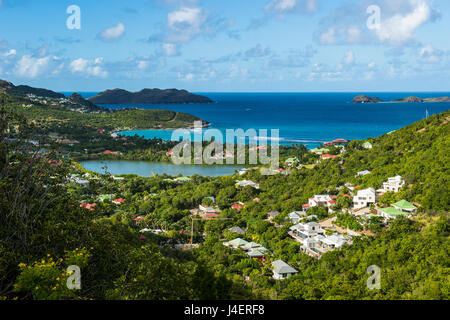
23	91
148	96
49	221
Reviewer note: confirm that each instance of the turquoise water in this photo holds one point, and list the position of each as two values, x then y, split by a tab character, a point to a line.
147	169
307	118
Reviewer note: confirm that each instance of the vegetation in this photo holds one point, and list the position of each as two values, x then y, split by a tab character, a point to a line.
44	230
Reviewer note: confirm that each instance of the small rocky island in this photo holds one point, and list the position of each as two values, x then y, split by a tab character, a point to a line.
366	99
148	96
411	99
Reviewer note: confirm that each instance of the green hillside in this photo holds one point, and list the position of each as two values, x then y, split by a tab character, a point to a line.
49	222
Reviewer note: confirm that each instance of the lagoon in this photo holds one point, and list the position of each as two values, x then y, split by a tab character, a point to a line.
148	169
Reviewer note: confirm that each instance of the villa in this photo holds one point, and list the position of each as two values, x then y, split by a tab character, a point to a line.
80	181
391	213
245	183
405	206
236	243
295	216
367	145
319	200
393	184
252	249
327	156
243	171
363	173
182	179
364	197
320	151
320	244
400	208
118	201
281	270
292	161
237	206
203	211
89	206
271	215
237	230
303	231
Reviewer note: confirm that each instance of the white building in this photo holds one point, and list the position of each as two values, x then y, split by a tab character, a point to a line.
363	173
393	184
245	183
281	270
319	200
295	216
303	231
320	244
364	197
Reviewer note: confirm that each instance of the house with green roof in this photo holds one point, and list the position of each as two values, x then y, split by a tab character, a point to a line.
104	197
391	213
182	179
405	206
236	243
320	151
292	161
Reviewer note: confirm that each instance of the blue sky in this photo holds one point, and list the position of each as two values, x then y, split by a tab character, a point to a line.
216	45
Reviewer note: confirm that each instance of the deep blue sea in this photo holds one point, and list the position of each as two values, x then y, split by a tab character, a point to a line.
308	118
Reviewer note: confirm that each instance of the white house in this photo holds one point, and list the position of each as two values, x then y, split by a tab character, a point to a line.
393	184
320	244
307	230
364	197
245	183
367	145
319	200
363	173
295	216
281	270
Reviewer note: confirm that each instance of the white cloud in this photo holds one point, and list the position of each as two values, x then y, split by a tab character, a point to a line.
185	23
399	28
428	54
399	22
31	67
113	32
170	49
328	37
349	58
88	67
286	6
10	53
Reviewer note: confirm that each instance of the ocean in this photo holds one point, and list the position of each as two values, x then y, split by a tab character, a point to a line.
307	118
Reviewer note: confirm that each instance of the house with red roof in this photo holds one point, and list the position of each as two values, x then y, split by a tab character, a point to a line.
109	152
119	201
339	141
237	206
211	215
89	206
328	156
